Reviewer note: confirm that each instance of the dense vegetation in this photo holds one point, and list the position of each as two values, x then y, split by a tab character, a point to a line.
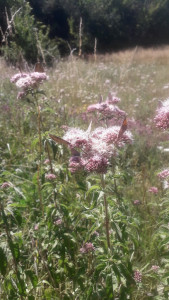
100	232
116	24
84	151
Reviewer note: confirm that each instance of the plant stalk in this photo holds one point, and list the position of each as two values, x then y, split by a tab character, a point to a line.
106	212
39	164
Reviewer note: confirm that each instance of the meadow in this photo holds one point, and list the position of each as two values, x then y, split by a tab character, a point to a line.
75	230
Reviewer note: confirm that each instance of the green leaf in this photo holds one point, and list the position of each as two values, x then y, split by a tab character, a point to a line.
31	298
14	247
93	188
3	262
33	278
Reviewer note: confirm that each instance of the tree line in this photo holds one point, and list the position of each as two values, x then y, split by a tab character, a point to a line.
116	24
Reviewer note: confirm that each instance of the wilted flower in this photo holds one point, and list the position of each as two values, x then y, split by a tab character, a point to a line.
162	115
88	247
153	190
5	185
163	174
50	176
137	276
155	268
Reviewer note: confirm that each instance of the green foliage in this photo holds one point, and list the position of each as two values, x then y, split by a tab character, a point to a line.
26	40
40	253
115	23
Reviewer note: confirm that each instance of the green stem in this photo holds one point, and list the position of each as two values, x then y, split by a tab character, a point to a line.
106	212
40	155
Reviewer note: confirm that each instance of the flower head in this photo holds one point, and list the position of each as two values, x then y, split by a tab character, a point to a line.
108	108
96	163
5	185
97	147
163	174
58	222
155	268
153	190
88	247
50	176
137	276
27	81
162	115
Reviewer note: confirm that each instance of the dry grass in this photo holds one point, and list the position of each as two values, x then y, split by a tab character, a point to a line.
138	54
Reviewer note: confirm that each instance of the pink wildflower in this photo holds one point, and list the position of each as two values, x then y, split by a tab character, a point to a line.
155	268
108	108
88	247
153	190
36	227
47	161
97	147
76	137
28	81
75	164
163	174
137	276
162	115
97	164
50	176
110	135
5	185
16	77
58	222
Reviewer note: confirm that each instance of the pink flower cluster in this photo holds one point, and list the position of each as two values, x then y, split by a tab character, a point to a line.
162	115
58	222
137	276
155	268
153	190
108	108
5	185
28	81
88	247
97	147
163	174
50	176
